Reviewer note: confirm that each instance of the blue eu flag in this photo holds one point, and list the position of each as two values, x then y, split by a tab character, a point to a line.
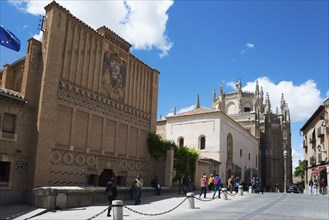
8	39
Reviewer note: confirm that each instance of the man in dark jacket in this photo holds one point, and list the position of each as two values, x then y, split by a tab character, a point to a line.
111	193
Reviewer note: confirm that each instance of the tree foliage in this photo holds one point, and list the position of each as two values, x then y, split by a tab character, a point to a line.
184	157
300	169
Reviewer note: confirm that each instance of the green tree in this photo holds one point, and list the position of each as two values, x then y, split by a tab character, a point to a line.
300	169
184	157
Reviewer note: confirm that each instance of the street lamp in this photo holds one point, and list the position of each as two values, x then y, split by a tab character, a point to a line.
285	170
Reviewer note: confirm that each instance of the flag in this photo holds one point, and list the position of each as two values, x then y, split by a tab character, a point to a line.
8	39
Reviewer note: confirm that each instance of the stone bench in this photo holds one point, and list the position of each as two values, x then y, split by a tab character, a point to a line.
52	198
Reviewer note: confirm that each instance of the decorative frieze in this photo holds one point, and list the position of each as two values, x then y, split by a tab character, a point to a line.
89	100
73	158
133	165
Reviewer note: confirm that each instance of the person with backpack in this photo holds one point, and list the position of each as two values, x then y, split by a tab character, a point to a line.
217	186
111	193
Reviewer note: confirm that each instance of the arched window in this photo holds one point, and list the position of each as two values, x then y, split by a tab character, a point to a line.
229	147
181	142
202	142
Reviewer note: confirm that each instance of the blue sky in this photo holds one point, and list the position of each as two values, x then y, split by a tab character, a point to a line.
198	44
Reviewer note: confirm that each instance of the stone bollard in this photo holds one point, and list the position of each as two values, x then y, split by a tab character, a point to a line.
250	189
240	190
224	190
190	198
117	209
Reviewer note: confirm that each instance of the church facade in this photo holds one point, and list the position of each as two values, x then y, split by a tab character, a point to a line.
76	110
252	112
217	138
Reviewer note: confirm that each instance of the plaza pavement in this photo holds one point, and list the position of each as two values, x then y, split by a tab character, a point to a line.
174	206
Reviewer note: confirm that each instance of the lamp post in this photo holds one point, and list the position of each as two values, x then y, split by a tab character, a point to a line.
285	170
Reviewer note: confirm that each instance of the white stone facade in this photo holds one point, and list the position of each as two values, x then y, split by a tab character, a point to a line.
208	131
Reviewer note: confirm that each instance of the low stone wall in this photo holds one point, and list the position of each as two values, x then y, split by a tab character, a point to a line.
51	198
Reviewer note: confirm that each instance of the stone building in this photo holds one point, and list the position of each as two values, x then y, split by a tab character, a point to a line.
217	138
316	146
76	110
252	111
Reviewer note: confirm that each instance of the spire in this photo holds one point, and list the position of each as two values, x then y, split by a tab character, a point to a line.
174	110
288	113
267	104
197	102
220	89
282	103
214	96
238	84
257	87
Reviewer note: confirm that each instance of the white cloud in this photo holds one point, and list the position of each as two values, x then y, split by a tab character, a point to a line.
327	95
249	45
141	23
294	95
38	36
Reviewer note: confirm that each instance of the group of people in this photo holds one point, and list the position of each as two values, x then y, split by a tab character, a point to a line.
213	184
315	185
256	185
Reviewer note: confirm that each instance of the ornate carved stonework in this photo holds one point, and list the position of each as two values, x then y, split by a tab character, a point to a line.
133	165
73	158
89	100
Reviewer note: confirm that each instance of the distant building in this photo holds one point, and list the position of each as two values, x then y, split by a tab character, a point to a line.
253	111
247	114
75	111
316	145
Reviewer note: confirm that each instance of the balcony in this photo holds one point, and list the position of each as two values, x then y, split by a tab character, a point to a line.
320	157
312	140
313	161
320	131
304	144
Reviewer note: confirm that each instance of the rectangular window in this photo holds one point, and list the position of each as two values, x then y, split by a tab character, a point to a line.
249	156
4	172
240	152
246	109
9	123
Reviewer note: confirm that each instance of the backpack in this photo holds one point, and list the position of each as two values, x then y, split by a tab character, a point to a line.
216	181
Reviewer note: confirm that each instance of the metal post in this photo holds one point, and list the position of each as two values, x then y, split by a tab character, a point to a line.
240	190
117	209
285	171
224	190
190	198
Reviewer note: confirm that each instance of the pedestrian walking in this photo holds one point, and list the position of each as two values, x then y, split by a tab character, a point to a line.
111	193
156	185
322	186
217	186
315	185
211	182
230	183
181	184
310	186
203	186
237	183
137	189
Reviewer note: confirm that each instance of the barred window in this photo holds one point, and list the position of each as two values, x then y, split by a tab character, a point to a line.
9	123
